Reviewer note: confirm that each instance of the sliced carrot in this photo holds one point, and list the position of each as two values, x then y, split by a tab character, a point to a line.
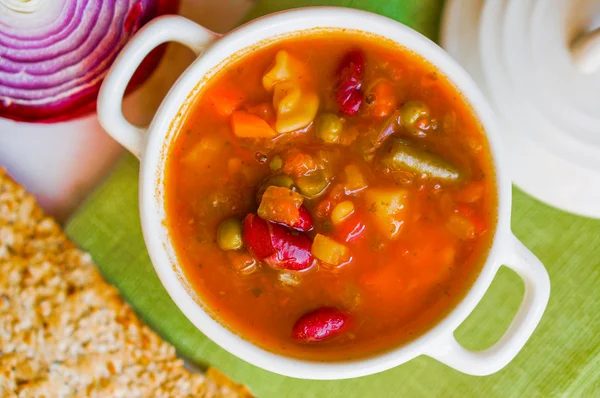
246	125
385	99
226	98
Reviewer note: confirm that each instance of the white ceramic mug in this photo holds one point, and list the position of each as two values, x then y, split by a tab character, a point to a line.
151	146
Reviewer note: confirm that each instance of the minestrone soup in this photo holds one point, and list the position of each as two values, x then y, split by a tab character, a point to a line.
330	196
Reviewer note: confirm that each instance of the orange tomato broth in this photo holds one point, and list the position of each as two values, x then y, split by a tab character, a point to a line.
394	290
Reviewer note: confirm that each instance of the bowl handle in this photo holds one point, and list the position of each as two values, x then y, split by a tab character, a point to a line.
491	360
158	31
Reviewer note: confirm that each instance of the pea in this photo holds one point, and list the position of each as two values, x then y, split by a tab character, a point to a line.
229	235
279	180
313	184
329	128
411	112
276	163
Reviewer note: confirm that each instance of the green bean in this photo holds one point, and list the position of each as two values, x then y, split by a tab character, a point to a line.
329	128
399	154
229	234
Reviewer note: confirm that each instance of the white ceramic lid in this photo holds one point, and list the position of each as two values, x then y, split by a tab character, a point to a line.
538	62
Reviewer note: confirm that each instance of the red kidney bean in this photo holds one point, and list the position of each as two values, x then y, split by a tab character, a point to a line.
292	249
257	237
320	324
354	59
277	245
305	223
348	94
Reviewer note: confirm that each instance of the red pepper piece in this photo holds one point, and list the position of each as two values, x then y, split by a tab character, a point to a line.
320	324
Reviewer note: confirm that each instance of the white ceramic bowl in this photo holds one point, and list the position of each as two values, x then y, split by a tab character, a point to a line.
151	145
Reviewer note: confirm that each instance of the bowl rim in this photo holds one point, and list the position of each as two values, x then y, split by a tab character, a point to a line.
163	129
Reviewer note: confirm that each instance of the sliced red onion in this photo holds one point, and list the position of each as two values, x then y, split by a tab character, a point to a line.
55	53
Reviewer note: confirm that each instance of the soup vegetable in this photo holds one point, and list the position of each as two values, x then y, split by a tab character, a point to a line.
330	196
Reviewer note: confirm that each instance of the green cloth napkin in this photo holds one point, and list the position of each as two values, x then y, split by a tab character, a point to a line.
562	357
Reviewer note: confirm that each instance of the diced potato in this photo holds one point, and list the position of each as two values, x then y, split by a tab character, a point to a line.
342	211
204	153
296	106
281	205
389	209
355	180
329	251
286	68
461	226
